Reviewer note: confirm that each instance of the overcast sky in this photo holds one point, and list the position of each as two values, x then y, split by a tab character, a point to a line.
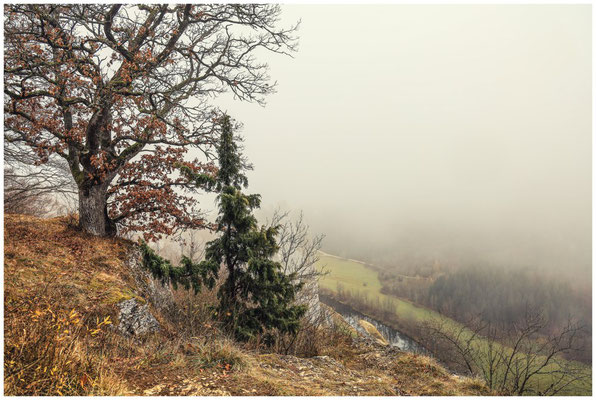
468	121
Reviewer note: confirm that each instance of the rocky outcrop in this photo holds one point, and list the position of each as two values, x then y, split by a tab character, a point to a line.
332	318
135	319
159	295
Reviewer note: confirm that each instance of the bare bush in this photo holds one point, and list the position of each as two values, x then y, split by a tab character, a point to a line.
514	359
317	336
298	254
33	189
195	312
191	245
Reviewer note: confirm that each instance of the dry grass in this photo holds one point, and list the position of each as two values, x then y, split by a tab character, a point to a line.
431	379
48	353
52	271
55	313
362	372
222	353
60	265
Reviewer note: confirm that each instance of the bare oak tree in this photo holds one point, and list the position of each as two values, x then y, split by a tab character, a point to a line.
122	92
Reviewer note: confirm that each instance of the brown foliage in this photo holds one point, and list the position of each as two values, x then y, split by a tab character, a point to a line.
121	92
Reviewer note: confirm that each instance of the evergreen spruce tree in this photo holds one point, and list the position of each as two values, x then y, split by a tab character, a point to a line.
257	297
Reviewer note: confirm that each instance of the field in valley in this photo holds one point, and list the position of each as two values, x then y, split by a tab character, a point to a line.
359	282
355	277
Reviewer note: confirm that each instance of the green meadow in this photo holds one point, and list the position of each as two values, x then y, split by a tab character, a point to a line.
355	277
358	280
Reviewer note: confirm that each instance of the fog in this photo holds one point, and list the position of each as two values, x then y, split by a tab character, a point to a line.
448	132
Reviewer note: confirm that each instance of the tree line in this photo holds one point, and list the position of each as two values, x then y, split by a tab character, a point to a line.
499	296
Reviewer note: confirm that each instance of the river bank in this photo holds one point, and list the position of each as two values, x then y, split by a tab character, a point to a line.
395	338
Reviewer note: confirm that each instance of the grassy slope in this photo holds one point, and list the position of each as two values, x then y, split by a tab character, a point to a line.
355	277
60	285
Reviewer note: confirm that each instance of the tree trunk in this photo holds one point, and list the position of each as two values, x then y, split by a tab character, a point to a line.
93	211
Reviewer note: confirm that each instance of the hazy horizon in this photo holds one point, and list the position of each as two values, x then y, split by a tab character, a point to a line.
438	129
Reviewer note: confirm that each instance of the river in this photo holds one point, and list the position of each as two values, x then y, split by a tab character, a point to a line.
393	336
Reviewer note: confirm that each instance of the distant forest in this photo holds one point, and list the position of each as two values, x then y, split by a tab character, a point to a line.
497	295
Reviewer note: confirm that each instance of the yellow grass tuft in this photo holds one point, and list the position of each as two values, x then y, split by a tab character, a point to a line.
373	331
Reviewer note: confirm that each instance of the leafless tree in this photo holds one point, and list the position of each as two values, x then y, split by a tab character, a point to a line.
514	359
298	253
191	245
297	250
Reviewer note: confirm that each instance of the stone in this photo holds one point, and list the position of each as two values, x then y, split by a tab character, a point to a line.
135	319
159	295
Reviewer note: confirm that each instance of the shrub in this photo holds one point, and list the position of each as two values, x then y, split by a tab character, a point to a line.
323	335
194	314
221	353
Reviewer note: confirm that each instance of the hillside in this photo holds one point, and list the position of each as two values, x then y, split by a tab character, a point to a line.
64	293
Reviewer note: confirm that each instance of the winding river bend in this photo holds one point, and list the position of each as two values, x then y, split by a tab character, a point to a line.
393	336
